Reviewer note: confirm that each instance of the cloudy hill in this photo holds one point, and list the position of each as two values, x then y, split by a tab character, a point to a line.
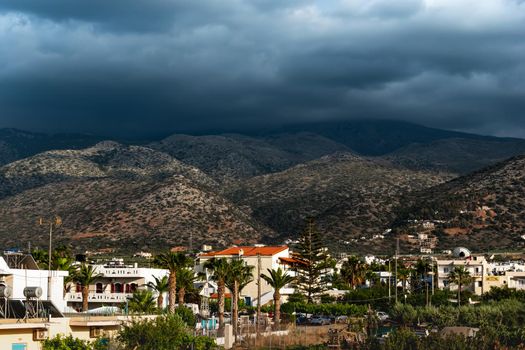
348	196
229	157
120	196
17	144
483	211
456	155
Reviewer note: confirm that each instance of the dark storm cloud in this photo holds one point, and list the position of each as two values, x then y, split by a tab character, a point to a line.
152	66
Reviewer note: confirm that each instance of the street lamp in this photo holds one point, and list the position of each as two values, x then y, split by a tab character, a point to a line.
53	223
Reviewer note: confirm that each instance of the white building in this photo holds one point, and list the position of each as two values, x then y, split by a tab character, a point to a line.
117	282
271	257
23	272
485	274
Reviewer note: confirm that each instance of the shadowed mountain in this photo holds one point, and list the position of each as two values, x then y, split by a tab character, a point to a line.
347	195
456	155
17	144
230	157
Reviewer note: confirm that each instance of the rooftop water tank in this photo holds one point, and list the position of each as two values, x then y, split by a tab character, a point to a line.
461	252
32	292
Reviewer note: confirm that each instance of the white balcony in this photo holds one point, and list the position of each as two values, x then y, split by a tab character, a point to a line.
99	297
120	272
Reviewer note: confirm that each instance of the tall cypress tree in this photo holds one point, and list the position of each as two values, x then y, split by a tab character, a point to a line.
314	260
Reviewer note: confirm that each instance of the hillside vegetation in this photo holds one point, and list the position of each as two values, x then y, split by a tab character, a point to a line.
118	196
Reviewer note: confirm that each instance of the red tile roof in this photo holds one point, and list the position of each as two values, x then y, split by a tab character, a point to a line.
216	295
248	251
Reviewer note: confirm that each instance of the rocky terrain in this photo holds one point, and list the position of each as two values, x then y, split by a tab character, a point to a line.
111	195
357	179
483	210
230	157
347	195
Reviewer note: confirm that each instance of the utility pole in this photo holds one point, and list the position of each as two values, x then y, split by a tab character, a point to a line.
389	281
395	277
258	293
426	285
54	222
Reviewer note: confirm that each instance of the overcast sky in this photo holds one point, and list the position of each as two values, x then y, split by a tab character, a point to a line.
149	66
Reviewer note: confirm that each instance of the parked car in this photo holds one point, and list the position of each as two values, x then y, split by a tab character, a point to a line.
301	320
341	319
320	320
382	316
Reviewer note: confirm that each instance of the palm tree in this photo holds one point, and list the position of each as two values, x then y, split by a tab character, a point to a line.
459	276
403	275
173	262
372	277
41	257
142	301
85	276
160	286
239	275
277	279
354	271
185	279
422	269
220	270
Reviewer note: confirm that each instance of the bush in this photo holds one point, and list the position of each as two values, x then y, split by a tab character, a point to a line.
325	309
60	342
163	333
186	315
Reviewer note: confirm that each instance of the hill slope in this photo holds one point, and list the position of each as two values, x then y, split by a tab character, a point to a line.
482	211
348	196
111	195
229	157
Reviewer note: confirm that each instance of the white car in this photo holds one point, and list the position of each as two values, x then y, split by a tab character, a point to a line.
383	316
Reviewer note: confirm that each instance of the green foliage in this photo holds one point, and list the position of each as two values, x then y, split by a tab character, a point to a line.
498	294
499	322
142	302
354	271
186	315
404	314
314	258
376	296
297	298
166	332
325	309
60	342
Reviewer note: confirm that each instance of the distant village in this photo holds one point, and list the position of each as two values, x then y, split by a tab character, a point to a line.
37	303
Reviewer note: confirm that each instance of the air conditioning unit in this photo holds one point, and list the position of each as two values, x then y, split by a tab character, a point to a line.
40	334
95	332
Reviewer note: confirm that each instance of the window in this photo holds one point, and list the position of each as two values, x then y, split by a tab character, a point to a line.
78	288
99	288
480	284
117	288
133	288
445	269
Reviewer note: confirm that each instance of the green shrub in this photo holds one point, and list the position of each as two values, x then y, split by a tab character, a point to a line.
186	315
325	309
162	333
60	342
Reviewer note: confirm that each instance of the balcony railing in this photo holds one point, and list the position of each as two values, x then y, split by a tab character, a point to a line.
99	297
119	272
